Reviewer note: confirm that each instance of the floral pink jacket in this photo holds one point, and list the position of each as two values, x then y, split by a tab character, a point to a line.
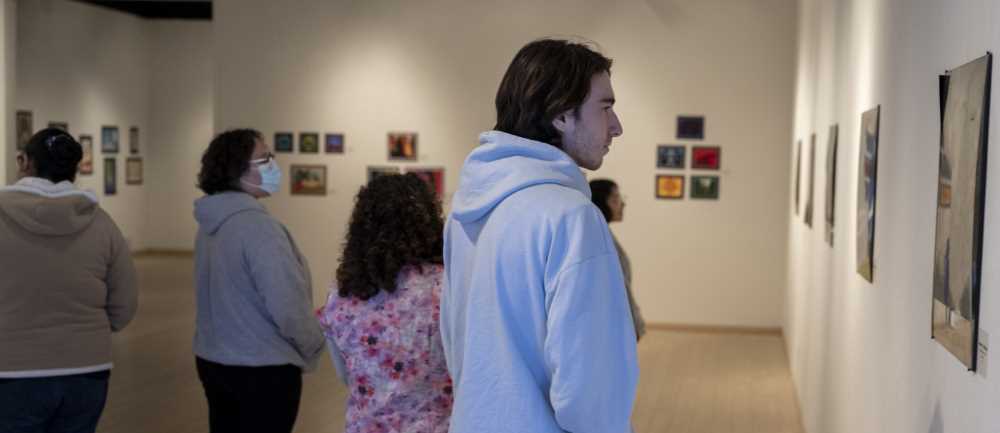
392	357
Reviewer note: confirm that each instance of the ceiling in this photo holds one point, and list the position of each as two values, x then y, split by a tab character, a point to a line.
155	9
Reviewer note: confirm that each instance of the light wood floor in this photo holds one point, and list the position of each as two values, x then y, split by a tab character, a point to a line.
690	382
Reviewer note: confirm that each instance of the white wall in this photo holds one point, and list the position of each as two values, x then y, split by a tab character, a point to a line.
180	128
366	68
861	353
89	66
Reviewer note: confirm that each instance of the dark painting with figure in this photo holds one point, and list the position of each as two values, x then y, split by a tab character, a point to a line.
812	180
831	182
958	240
867	170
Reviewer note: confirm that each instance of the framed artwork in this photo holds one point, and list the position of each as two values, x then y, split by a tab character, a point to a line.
24	128
669	186
403	145
334	143
798	173
283	142
110	177
706	157
812	181
87	162
958	242
308	179
60	125
705	187
376	171
867	170
133	140
831	182
434	178
691	127
109	139
308	142
133	171
670	156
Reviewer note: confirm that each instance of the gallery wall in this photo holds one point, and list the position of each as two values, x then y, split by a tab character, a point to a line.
367	68
89	67
8	45
861	352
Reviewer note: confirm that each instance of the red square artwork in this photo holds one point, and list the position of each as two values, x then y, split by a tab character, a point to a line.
706	158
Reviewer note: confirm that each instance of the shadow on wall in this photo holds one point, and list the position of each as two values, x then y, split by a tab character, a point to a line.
937	425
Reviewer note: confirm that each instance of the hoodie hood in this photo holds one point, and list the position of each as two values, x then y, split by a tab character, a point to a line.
212	211
504	164
49	209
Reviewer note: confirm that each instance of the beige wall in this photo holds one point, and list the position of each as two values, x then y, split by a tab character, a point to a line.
861	353
180	128
366	68
89	66
8	43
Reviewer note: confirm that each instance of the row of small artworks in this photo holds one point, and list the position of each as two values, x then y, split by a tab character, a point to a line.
109	135
669	186
399	145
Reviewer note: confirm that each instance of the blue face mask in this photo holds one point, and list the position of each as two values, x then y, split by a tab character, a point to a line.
270	177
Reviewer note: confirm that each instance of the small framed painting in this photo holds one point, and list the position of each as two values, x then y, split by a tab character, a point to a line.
670	156
376	171
434	178
87	162
308	179
705	187
133	171
706	157
334	143
691	127
669	186
133	140
109	139
283	142
60	125
110	176
24	129
308	142
403	145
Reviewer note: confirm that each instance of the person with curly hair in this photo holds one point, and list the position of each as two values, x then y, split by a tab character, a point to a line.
69	283
255	333
381	316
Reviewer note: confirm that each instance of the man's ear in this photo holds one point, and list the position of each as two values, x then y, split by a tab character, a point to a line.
563	122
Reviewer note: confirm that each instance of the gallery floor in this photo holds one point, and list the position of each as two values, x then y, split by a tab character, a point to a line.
691	382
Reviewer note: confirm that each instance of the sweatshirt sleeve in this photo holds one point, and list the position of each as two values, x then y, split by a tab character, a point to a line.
122	283
590	349
282	280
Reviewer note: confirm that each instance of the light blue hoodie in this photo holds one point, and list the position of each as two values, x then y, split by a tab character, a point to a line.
535	320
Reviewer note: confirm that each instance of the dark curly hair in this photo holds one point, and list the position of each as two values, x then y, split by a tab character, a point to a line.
226	159
54	154
396	222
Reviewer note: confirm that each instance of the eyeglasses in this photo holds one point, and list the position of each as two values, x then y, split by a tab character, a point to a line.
263	161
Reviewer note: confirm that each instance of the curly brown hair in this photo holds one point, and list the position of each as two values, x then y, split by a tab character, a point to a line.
396	222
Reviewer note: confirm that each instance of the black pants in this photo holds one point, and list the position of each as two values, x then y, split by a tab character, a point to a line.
250	399
58	404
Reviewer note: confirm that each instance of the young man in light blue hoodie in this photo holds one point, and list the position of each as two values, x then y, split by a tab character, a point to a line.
535	320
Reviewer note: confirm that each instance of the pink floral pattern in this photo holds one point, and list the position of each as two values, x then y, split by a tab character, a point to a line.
392	351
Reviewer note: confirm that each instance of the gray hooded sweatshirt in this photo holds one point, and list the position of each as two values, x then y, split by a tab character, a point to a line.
254	288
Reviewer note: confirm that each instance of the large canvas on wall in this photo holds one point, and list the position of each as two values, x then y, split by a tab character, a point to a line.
812	180
867	170
958	245
831	182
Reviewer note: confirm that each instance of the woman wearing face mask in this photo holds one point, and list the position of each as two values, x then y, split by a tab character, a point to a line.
255	332
604	193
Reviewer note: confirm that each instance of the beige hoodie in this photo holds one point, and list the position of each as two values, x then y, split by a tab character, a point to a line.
68	281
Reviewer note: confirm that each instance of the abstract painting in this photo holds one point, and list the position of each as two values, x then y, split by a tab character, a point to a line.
334	143
308	142
110	177
705	187
867	171
706	157
958	242
670	156
402	145
133	141
691	127
283	142
669	187
109	139
831	182
87	162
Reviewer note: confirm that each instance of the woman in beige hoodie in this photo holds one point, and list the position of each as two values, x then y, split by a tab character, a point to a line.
68	283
